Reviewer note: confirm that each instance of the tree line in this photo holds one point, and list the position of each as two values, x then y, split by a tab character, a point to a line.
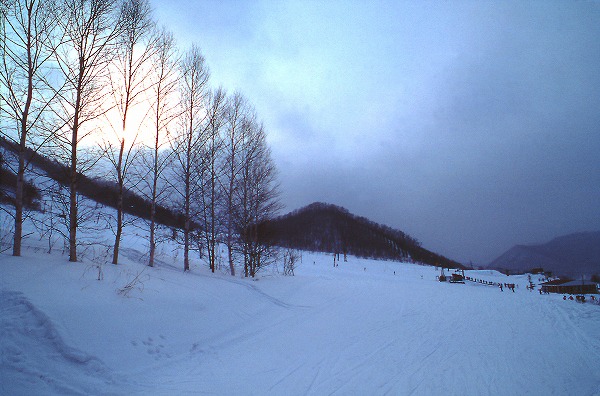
100	87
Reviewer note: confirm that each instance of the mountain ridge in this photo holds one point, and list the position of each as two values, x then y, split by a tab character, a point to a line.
570	255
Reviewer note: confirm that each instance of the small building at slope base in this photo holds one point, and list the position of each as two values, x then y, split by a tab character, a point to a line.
570	287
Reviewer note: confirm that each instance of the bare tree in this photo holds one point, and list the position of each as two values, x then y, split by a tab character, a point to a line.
210	172
91	28
257	197
187	144
156	158
136	44
27	29
291	258
238	114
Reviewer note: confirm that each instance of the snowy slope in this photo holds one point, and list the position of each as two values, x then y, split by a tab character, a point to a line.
365	327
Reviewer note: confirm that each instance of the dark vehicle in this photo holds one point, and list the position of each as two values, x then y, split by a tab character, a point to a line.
457	278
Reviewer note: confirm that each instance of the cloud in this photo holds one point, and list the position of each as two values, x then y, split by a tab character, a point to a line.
473	126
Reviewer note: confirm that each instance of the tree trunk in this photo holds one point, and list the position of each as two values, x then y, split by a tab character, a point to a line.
186	245
73	169
18	236
154	189
19	204
186	228
152	243
120	182
152	221
230	227
213	186
119	232
230	255
73	200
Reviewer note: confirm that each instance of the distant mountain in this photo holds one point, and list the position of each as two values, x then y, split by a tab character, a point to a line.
571	255
329	228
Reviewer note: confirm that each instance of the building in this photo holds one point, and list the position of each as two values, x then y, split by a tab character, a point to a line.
570	287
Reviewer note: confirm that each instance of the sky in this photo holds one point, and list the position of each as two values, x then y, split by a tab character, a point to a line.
472	126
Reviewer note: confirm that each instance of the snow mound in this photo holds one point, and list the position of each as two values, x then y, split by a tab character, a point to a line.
34	359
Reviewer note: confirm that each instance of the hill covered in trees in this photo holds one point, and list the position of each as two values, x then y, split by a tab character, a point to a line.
97	189
322	227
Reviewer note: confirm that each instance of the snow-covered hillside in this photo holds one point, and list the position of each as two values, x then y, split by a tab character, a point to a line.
365	327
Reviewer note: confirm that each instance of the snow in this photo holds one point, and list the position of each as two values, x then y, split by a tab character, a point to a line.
365	327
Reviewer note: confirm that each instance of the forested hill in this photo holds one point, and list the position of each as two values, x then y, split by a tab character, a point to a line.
329	228
97	189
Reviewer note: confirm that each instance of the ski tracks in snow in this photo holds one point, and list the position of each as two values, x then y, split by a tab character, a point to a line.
255	289
136	255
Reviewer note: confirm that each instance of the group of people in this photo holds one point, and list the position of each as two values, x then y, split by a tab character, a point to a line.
501	286
509	286
581	298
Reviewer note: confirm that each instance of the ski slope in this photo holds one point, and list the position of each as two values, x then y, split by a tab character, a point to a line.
365	327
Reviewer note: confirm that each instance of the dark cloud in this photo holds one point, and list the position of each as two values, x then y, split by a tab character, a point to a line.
472	126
